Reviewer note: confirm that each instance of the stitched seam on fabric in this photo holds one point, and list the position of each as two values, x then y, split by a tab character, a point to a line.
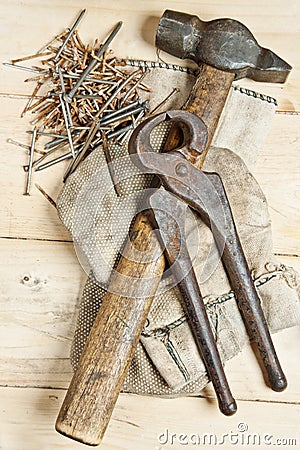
178	68
250	93
263	279
158	65
162	332
176	358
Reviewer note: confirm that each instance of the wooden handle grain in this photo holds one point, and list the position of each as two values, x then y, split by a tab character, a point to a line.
206	100
105	360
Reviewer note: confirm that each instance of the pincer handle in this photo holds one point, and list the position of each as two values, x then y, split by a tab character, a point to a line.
250	307
247	298
169	216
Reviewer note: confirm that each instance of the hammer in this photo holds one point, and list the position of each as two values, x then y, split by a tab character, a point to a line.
225	50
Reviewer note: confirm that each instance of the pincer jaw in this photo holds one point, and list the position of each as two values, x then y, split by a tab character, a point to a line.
194	137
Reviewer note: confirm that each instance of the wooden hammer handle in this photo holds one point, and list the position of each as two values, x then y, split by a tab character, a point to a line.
105	360
206	100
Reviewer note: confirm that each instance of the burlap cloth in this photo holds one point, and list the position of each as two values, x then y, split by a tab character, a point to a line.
166	361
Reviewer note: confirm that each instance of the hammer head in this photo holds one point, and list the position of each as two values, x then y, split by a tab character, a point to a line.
223	43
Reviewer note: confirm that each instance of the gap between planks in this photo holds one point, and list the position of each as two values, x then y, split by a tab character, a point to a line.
19	96
207	397
16	238
27	421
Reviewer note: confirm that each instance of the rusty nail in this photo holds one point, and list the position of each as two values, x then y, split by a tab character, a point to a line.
92	64
28	69
47	196
69	35
66	124
29	174
161	104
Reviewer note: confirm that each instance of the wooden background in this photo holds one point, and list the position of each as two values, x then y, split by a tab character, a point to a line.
41	279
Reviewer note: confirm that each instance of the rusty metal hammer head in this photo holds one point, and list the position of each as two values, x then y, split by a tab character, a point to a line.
222	43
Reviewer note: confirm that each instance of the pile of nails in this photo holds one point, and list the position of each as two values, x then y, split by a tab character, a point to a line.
83	97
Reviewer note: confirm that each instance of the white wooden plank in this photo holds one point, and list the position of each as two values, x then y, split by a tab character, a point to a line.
40	287
25	216
28	417
278	172
273	24
39	293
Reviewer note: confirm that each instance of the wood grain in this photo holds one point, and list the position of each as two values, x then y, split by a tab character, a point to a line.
206	99
277	170
38	322
27	420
